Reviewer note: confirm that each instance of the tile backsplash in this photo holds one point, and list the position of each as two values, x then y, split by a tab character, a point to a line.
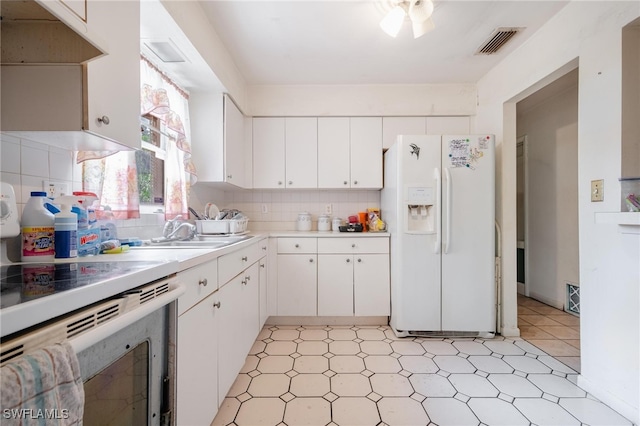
25	165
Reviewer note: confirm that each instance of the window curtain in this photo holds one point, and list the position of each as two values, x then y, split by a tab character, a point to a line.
162	98
112	176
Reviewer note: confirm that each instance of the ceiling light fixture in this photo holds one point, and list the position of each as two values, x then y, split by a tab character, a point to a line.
419	11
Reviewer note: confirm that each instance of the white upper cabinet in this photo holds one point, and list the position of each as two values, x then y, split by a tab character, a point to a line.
334	169
113	81
234	144
392	127
366	152
301	152
268	152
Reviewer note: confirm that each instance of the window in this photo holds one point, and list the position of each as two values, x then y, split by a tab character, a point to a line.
150	163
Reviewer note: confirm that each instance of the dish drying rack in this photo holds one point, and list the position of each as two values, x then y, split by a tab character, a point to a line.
223	226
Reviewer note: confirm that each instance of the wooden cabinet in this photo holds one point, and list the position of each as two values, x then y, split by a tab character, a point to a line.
297	277
353	277
350	152
284	152
113	81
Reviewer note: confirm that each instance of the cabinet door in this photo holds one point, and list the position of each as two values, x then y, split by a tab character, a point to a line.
268	153
333	152
232	352
262	274
335	285
366	152
234	141
394	126
250	307
371	284
301	152
297	284
197	371
113	81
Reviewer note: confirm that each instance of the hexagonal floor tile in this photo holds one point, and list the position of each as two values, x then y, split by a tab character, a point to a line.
382	364
454	364
311	364
285	334
408	348
312	347
280	348
227	412
376	347
439	347
503	347
391	385
418	364
473	385
347	364
342	334
350	385
307	412
542	412
275	364
371	334
432	385
490	364
515	386
526	364
342	347
355	411
494	411
449	411
314	334
557	386
310	385
269	385
402	411
261	411
471	348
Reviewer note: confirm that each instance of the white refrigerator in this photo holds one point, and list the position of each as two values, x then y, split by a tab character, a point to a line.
438	202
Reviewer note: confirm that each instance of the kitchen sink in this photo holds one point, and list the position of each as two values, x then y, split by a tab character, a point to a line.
200	241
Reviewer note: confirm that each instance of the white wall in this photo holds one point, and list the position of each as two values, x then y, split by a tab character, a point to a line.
609	272
551	127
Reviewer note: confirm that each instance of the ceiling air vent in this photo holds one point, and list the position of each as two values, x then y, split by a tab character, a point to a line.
497	39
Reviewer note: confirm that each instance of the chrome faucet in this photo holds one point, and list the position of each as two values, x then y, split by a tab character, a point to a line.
176	229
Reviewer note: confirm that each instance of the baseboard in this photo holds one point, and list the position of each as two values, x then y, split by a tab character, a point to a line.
558	304
520	288
615	403
281	320
510	332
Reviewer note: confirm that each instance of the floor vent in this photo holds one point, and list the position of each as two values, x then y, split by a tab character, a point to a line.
573	299
497	40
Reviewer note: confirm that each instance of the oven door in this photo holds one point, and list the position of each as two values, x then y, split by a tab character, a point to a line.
126	375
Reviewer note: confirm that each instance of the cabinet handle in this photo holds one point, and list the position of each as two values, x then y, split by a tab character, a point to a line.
353	245
279	182
244	258
310	260
264	248
290	182
203	282
217	305
297	246
247	278
345	182
243	282
104	120
359	260
355	182
262	265
348	260
229	176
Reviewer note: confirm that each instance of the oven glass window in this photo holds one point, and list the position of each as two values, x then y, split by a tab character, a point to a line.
118	395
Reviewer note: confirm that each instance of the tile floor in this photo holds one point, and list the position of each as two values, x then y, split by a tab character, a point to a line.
347	376
552	330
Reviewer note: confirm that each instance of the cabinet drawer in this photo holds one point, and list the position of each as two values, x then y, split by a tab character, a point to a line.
232	264
353	245
297	245
201	281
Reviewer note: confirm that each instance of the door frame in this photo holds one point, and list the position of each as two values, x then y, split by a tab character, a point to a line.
524	142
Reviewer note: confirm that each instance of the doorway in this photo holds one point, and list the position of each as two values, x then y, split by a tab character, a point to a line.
547	218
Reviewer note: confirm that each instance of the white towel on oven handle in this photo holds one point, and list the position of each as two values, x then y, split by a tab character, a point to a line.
43	385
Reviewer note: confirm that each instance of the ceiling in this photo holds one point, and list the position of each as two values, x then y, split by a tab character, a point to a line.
341	42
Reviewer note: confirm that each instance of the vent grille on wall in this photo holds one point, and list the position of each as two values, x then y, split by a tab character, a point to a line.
573	299
497	40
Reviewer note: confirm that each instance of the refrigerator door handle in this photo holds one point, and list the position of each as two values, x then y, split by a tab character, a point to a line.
447	241
438	211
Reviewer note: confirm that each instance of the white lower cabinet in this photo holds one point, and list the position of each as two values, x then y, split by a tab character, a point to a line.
297	283
333	276
216	329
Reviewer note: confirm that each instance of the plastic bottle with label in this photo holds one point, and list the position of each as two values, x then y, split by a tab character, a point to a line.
37	227
66	233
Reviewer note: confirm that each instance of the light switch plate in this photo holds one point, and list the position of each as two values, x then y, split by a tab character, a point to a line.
597	190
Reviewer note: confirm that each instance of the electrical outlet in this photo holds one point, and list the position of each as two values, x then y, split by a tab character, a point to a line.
328	209
597	190
265	209
55	189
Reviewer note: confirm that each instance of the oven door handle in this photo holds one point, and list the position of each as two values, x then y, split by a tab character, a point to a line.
101	332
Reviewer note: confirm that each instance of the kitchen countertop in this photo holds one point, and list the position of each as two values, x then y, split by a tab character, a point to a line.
327	234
